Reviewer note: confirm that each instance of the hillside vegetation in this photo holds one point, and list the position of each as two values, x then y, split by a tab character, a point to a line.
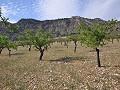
58	27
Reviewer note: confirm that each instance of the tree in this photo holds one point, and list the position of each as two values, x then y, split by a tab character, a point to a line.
63	41
5	41
94	36
21	40
74	38
112	28
28	38
10	45
113	37
40	40
66	41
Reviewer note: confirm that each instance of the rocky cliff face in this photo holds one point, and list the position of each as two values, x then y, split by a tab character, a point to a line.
58	27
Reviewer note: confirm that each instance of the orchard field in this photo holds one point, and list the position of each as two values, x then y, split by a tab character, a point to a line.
61	68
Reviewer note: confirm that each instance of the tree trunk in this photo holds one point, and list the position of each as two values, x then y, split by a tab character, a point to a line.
1	50
41	53
23	45
66	44
117	39
81	44
75	46
98	58
9	52
112	40
30	47
49	45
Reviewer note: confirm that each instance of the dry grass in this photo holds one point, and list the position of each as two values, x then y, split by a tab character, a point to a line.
61	69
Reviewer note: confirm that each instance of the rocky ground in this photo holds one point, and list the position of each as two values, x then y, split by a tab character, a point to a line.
61	68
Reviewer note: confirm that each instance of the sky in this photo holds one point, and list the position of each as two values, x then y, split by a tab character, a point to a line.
54	9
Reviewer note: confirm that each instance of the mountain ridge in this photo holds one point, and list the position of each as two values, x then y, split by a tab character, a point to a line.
58	27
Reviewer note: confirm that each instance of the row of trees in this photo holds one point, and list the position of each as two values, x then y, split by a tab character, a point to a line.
93	36
38	39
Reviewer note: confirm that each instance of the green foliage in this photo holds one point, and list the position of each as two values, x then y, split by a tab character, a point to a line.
74	37
5	23
62	40
111	25
41	39
6	43
28	34
13	28
20	37
59	39
3	41
28	37
13	45
95	35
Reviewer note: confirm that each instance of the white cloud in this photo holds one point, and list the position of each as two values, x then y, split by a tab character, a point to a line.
105	9
52	9
12	21
7	11
13	11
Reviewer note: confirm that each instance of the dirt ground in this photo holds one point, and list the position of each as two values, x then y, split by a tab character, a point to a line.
61	68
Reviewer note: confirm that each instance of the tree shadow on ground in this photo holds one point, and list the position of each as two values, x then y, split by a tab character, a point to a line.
68	59
94	50
17	53
108	66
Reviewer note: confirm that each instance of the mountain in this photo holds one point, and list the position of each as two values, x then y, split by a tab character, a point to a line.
58	27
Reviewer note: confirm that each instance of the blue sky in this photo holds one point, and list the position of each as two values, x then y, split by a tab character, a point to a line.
54	9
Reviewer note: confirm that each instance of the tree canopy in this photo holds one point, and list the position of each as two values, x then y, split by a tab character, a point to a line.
41	39
95	35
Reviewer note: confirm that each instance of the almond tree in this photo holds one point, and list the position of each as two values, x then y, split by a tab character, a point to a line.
5	41
28	38
94	36
74	38
62	40
21	40
40	40
10	45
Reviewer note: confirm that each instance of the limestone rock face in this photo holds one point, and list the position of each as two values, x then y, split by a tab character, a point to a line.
58	27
